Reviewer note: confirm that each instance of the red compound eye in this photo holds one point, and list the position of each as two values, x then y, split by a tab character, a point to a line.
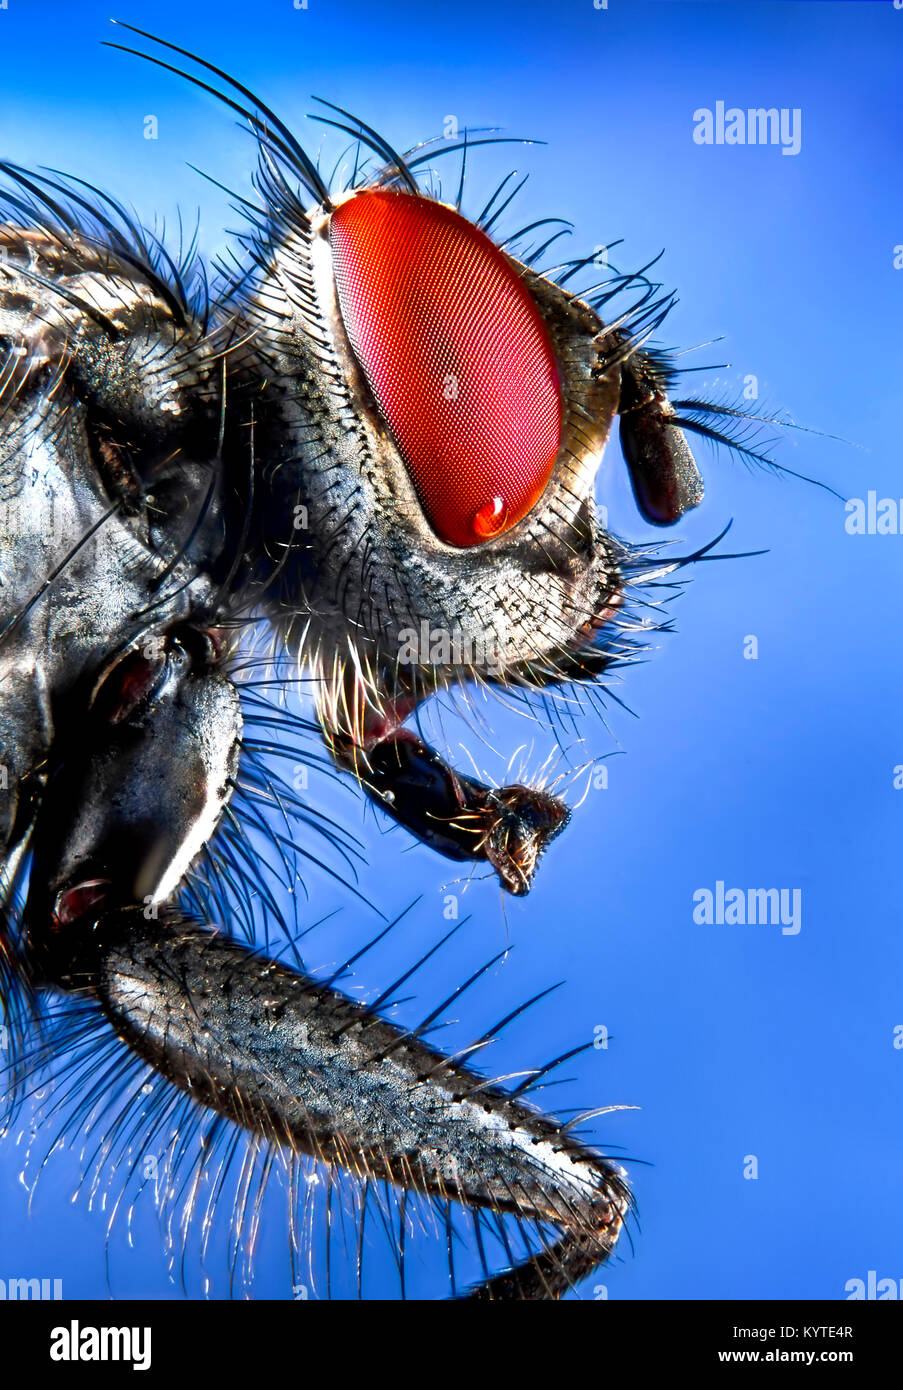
456	355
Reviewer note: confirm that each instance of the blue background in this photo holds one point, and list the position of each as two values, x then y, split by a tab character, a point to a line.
734	1041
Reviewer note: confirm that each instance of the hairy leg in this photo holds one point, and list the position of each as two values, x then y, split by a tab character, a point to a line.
301	1065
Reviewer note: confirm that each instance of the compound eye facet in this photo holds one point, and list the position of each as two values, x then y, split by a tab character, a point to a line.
457	357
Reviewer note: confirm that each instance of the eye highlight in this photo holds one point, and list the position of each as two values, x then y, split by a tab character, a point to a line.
456	355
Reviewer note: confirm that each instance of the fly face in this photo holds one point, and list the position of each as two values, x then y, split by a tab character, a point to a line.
460	503
438	412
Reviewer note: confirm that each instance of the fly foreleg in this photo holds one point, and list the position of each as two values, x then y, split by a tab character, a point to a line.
301	1065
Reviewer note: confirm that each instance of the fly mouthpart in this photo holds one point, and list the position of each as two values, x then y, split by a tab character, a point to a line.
522	822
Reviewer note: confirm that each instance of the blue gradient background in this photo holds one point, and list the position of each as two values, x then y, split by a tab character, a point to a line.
774	772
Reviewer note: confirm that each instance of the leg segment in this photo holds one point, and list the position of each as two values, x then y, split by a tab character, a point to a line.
301	1065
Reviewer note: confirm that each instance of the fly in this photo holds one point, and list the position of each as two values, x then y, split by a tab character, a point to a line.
379	441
